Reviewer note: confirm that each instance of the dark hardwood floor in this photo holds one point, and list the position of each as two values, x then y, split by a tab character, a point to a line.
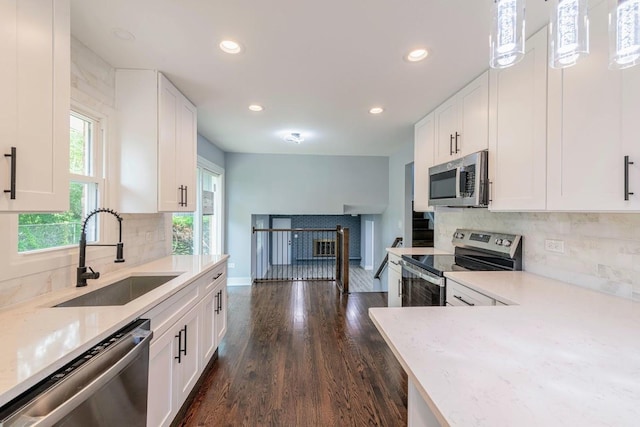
299	354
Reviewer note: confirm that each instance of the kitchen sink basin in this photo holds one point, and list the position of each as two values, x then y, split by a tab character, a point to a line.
118	293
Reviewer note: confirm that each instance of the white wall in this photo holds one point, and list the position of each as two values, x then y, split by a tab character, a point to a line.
296	184
145	237
601	251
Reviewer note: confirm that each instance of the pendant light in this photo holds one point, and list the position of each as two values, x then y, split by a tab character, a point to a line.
568	32
624	33
507	33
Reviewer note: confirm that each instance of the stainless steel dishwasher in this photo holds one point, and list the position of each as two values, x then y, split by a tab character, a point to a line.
105	386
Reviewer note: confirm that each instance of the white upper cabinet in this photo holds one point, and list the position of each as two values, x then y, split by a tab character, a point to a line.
461	122
424	139
34	106
518	131
157	134
587	139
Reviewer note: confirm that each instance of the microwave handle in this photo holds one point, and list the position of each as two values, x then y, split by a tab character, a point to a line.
458	192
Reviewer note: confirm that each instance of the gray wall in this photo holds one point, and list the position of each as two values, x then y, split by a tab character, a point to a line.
210	152
393	218
296	184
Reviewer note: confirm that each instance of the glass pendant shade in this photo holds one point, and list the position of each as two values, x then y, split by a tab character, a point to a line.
507	33
624	33
568	32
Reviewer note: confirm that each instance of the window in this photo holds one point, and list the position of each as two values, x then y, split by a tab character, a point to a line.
200	233
53	230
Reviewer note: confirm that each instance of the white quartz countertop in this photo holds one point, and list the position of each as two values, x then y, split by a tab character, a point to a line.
36	339
415	251
561	355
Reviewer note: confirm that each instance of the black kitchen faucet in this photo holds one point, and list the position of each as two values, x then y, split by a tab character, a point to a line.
81	271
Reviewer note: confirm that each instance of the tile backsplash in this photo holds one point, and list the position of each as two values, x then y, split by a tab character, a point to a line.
601	250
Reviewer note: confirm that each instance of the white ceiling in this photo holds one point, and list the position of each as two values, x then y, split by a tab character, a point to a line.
316	66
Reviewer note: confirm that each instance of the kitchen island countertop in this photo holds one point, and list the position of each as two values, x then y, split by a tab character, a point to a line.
559	355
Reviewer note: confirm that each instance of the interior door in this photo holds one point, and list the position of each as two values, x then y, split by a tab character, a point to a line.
281	241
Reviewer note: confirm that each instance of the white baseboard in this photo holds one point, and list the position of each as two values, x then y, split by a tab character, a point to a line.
238	281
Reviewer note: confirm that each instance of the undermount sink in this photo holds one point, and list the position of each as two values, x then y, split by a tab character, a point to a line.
118	293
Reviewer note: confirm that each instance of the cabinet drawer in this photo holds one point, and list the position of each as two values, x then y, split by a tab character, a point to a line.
214	277
166	314
460	295
394	262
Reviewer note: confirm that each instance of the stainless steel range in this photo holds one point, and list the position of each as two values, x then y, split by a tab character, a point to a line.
423	281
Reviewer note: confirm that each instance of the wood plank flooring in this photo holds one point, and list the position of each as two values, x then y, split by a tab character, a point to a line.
300	354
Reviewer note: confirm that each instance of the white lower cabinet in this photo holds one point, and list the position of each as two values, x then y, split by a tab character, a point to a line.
181	351
394	282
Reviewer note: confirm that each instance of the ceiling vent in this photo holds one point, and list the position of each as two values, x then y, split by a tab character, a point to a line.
294	137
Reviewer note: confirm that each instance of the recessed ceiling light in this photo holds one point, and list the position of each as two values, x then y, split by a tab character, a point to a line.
256	107
229	46
376	110
417	55
123	34
294	137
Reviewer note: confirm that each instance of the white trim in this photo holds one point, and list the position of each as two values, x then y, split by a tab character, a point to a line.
212	167
239	281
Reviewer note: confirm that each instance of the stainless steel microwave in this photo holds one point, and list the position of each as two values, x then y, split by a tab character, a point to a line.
463	182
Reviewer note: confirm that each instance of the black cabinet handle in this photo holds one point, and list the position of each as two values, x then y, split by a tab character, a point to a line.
186	196
219	301
185	340
12	188
217	304
463	300
179	336
217	276
181	202
451	144
457	135
627	193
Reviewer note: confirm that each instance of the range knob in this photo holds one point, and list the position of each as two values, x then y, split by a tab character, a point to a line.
458	235
498	242
506	243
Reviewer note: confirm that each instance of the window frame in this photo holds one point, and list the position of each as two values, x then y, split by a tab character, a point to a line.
19	264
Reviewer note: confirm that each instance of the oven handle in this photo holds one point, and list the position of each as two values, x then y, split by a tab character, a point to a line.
431	278
74	401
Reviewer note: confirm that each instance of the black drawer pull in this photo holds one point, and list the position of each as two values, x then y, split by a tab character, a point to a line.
179	336
463	300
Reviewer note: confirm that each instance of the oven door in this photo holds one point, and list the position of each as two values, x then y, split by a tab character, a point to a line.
421	288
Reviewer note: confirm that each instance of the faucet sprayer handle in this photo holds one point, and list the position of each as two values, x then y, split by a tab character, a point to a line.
119	252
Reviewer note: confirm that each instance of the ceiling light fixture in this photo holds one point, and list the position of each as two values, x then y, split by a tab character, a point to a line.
568	33
624	33
507	33
229	46
376	110
417	55
256	107
294	137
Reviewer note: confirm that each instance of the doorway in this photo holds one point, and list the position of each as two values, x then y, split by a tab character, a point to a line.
281	241
369	244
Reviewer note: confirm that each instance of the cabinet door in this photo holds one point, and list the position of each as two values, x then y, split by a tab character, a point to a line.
585	149
394	278
446	126
473	116
631	129
34	107
423	150
186	156
221	317
169	193
518	131
162	376
208	328
189	364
